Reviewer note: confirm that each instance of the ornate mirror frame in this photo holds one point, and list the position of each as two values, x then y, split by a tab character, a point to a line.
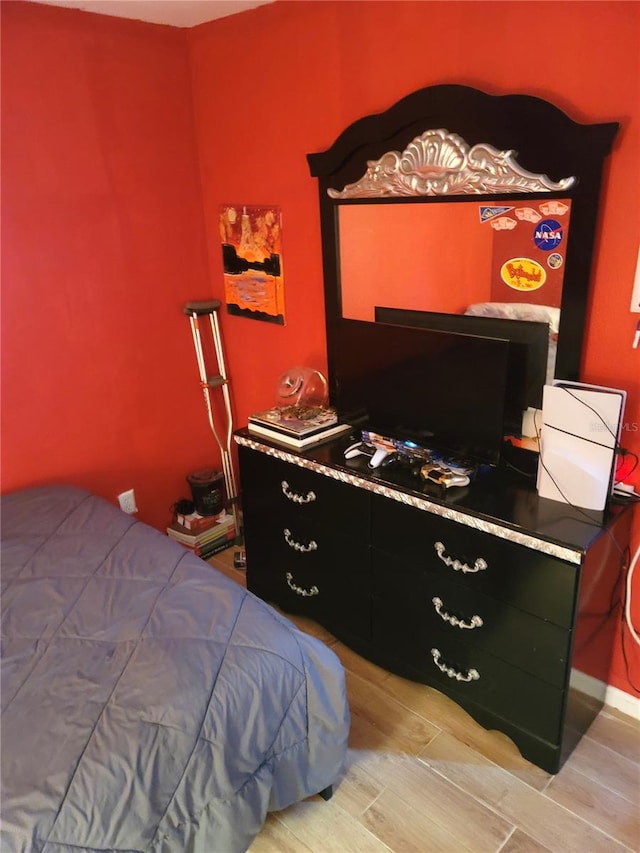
452	140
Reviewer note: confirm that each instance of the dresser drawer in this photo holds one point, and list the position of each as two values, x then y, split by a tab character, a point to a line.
284	490
516	637
529	580
306	569
466	672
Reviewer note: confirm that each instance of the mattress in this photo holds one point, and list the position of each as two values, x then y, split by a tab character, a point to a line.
149	703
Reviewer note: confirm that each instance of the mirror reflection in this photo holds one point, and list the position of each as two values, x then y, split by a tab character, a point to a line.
449	256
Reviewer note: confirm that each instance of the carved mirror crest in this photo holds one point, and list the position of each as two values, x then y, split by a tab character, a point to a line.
441	163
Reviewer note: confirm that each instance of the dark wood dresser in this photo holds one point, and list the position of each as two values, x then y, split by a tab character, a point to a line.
506	602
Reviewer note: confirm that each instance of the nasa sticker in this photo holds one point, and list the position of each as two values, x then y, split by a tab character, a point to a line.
555	260
548	234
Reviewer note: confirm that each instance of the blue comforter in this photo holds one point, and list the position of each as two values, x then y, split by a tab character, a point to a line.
148	702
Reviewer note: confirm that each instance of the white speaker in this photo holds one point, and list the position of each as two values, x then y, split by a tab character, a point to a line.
581	427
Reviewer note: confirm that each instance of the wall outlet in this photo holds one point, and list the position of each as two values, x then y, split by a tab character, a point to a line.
127	501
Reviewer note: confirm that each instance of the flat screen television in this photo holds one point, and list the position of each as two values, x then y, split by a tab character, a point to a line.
528	355
441	390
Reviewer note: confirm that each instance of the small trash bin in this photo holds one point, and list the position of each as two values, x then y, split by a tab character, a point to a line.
207	491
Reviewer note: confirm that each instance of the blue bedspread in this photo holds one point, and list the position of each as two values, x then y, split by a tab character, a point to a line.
148	702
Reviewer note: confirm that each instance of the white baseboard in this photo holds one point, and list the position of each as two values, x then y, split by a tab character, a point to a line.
613	696
624	702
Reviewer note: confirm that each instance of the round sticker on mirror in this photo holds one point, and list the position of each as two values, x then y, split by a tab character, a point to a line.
523	274
548	234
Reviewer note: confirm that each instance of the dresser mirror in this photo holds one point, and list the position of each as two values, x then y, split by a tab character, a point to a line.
441	257
454	201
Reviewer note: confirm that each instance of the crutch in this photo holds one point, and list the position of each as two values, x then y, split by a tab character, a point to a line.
195	310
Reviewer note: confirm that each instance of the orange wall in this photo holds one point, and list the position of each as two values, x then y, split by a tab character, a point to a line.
283	80
103	234
103	243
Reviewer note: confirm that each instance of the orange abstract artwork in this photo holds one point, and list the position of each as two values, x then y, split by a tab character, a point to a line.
252	258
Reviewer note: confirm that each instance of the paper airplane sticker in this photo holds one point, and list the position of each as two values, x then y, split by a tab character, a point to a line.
487	213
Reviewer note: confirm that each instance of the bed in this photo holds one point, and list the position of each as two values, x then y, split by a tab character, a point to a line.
149	703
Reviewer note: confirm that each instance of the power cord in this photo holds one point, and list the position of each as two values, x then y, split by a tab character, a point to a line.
626	620
627	603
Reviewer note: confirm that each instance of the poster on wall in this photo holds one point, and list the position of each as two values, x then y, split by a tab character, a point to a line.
252	259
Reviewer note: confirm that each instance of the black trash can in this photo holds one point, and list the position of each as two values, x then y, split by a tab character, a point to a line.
207	491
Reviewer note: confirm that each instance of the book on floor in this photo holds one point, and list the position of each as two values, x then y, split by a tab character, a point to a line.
213	548
193	538
196	523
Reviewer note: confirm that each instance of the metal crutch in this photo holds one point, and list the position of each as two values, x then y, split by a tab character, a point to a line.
194	310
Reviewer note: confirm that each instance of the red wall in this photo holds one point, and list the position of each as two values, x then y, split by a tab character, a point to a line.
273	84
417	238
103	234
103	243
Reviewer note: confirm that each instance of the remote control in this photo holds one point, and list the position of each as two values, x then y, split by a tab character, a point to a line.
443	476
360	448
379	456
382	445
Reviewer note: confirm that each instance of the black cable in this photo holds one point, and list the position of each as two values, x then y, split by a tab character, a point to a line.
518	470
564	497
581	437
595	411
618	448
614	602
624	452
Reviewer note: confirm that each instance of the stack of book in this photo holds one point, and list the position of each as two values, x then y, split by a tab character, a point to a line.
204	535
296	426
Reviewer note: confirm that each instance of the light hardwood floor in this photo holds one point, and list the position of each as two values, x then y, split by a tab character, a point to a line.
423	777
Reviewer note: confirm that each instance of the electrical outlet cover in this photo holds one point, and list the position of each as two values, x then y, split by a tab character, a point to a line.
127	501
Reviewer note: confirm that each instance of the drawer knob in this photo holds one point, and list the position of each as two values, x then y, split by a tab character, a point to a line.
300	590
479	565
474	622
298	546
472	674
295	497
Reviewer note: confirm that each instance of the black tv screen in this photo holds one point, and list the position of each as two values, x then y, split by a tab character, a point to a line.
442	390
528	355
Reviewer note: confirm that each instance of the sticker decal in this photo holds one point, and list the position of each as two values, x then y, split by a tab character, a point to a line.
523	274
554	208
548	234
487	213
555	260
528	214
503	223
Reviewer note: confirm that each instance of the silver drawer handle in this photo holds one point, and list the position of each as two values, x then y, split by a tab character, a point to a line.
472	674
475	622
300	590
479	565
297	546
296	498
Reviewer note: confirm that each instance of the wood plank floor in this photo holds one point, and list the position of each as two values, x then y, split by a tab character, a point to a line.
423	777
